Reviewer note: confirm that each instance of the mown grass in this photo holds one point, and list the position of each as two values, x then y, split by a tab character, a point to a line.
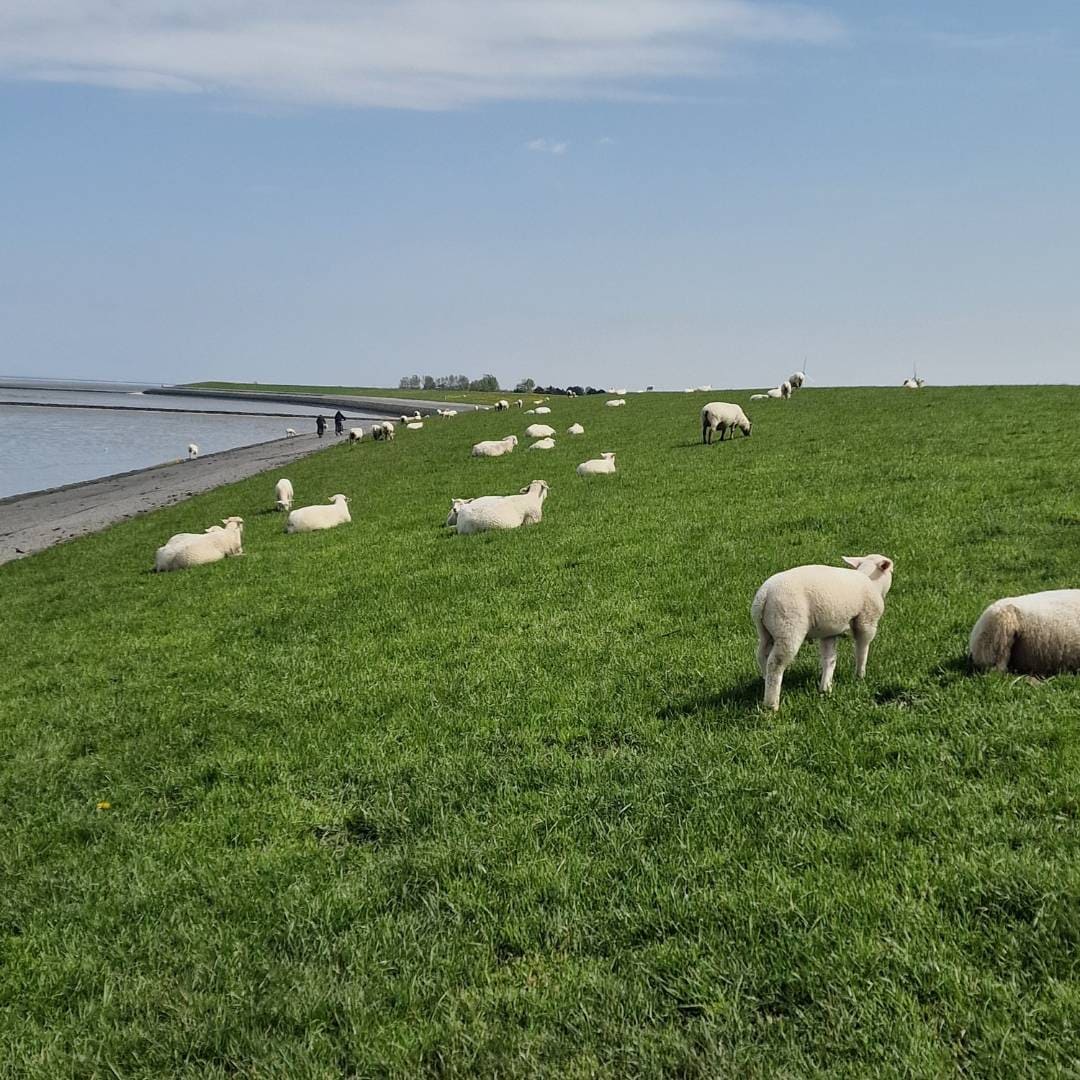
389	801
476	397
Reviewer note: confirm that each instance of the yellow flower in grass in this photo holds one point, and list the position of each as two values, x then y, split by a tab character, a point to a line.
104	805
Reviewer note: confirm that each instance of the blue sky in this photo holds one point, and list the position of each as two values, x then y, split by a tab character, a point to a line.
670	192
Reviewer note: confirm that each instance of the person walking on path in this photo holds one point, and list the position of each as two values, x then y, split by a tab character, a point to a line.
339	423
320	425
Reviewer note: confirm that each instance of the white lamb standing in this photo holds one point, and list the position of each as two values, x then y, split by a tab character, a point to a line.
820	602
911	384
614	403
543	444
797	378
389	431
519	404
495	447
185	550
600	466
502	511
725	417
192	451
290	433
539	431
314	518
575	429
541	410
502	405
356	434
1035	634
283	494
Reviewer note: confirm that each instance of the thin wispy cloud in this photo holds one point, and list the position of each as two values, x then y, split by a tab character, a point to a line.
417	54
547	146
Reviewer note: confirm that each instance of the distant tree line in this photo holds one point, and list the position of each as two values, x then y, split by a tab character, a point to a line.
448	382
528	386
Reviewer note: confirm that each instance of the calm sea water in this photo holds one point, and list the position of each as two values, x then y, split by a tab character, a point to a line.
43	448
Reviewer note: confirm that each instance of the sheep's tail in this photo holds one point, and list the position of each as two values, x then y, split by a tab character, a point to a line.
993	637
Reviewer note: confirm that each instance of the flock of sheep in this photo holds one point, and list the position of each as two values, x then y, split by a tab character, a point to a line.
1037	634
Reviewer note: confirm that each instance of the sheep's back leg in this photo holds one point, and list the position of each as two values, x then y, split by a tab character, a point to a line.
779	657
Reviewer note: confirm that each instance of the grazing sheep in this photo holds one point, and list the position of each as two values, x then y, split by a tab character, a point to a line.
283	494
378	433
820	602
313	518
797	378
356	434
519	404
384	431
416	425
759	397
503	511
495	447
542	410
197	549
543	444
575	429
1036	634
290	433
600	466
725	416
539	431
192	451
502	405
911	384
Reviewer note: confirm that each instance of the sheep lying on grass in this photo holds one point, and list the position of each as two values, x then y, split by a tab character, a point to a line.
600	466
495	447
781	391
575	429
283	494
819	602
615	403
1036	634
541	410
502	511
725	417
313	518
192	451
457	504
415	425
543	444
539	431
759	397
185	550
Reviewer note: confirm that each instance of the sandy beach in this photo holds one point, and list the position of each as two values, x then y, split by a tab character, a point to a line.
30	523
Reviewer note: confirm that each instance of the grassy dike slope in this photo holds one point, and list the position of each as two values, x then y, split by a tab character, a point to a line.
390	801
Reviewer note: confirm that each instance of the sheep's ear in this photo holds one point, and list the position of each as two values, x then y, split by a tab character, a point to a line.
885	565
852	560
524	490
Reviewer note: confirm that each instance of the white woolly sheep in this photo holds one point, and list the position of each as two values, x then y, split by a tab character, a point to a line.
614	403
313	518
356	434
283	495
575	429
781	391
911	384
822	603
539	431
192	451
416	425
290	433
726	417
519	404
540	401
542	410
197	549
495	447
543	444
456	504
797	378
529	412
503	511
1036	634
600	466
502	405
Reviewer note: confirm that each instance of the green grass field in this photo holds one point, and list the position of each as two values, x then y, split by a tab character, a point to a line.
387	801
